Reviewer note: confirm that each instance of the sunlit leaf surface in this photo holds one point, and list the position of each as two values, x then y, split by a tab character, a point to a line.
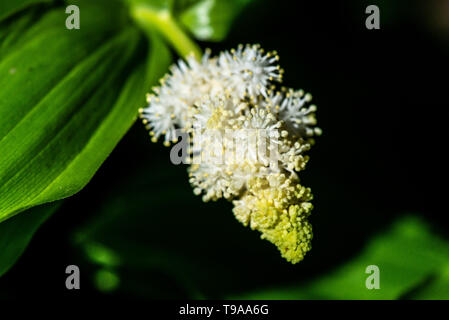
408	255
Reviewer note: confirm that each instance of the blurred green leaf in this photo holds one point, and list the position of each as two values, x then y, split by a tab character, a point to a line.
158	5
207	20
406	255
106	280
16	233
12	32
211	19
435	287
72	103
9	7
152	226
146	225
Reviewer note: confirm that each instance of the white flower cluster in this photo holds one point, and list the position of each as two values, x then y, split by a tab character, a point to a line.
233	97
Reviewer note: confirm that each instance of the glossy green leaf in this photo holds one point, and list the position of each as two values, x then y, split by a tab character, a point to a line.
17	232
144	74
9	7
211	20
407	256
157	5
66	114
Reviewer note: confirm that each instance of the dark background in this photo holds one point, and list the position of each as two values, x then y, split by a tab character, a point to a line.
382	104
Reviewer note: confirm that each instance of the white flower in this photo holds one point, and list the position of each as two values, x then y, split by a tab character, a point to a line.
165	114
227	141
216	181
239	74
265	128
278	207
248	143
168	107
249	71
217	112
294	108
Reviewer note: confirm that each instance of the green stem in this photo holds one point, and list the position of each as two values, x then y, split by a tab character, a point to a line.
162	21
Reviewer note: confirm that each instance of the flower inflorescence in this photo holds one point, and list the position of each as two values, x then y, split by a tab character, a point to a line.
235	92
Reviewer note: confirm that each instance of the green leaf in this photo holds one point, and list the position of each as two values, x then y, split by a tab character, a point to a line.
9	7
16	233
435	287
157	5
68	110
141	77
407	255
11	32
211	19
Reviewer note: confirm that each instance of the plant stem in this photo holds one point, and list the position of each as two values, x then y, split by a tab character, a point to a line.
163	22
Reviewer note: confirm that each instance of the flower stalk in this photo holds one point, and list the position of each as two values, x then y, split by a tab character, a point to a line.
162	21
